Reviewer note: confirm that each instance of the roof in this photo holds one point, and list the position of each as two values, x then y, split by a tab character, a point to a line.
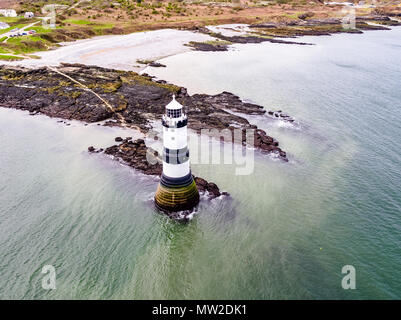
174	104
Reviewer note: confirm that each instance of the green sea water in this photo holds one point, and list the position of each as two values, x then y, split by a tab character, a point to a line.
287	229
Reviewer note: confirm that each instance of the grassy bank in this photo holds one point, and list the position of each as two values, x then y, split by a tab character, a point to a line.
100	17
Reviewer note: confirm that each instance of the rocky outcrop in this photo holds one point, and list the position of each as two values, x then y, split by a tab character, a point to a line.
156	65
122	99
146	160
229	101
254	39
209	188
208	46
133	153
280	115
305	26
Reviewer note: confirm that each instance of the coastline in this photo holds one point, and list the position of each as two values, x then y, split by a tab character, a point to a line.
233	109
338	191
109	82
116	51
135	51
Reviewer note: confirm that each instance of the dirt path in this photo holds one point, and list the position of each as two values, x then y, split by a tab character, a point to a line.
105	102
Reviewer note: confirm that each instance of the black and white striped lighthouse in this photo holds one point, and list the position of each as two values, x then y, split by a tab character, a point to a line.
177	190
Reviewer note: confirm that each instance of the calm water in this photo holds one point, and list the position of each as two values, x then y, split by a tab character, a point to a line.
286	232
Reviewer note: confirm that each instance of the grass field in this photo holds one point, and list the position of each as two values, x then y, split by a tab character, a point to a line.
9	57
101	17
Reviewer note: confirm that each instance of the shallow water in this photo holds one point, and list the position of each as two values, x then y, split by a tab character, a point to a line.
287	229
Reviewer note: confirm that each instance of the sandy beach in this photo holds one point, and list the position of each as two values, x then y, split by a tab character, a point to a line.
117	51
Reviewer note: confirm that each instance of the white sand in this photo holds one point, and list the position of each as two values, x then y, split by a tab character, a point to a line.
117	52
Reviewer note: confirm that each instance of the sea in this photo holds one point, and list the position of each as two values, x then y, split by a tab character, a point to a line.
287	230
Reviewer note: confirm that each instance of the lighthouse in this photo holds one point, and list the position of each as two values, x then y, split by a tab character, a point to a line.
177	190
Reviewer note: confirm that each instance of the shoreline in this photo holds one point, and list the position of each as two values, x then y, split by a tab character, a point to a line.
120	52
127	99
136	51
52	91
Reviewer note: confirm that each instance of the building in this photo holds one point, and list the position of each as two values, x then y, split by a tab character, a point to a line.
8	12
4	25
28	15
177	190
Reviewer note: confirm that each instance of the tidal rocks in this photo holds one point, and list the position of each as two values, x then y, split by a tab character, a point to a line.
317	27
120	98
156	64
255	39
138	156
229	101
280	115
209	46
268	144
264	25
304	16
211	188
134	154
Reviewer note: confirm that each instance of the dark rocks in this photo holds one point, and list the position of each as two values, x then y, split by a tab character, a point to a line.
264	25
91	149
267	144
306	15
257	39
373	18
211	188
244	39
280	115
317	27
229	101
205	46
133	100
118	139
320	22
156	65
138	156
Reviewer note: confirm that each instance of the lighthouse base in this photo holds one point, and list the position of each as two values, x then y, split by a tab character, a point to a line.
176	194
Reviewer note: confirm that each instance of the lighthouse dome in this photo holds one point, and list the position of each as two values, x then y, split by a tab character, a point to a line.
174	104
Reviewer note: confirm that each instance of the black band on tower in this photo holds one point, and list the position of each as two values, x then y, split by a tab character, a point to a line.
176	182
180	124
175	156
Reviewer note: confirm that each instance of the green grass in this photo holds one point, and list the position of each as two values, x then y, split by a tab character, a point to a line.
19	26
24	45
9	58
17	40
9	19
41	29
79	22
103	26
